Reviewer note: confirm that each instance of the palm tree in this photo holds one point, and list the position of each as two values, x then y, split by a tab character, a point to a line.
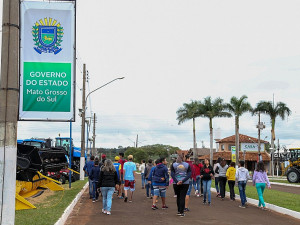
237	107
268	107
187	112
211	109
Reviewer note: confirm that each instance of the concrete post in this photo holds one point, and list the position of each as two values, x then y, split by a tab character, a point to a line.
9	94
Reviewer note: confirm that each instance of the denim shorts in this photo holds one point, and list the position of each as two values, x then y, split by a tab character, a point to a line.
190	188
160	191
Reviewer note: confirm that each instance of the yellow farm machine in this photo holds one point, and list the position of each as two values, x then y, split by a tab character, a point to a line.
36	168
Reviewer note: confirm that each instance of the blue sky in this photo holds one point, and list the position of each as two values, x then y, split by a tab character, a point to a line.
172	52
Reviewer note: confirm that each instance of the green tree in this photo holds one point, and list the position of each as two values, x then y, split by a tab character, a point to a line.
237	107
267	107
210	109
188	112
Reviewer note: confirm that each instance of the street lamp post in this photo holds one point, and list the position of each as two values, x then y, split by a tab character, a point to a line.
84	99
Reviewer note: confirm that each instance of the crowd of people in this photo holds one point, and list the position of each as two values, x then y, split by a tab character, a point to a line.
107	178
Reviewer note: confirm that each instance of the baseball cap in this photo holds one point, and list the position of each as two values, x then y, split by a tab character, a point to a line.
103	156
117	158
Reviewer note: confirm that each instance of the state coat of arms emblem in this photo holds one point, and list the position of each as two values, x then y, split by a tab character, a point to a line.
47	36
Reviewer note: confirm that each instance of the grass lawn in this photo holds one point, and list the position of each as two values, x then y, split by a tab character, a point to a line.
283	199
52	207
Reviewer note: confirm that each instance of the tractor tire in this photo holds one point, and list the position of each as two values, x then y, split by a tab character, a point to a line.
62	179
76	176
293	176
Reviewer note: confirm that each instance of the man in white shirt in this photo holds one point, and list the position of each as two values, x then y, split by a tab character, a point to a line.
142	169
242	176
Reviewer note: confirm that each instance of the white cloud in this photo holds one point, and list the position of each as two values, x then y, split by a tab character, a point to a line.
173	51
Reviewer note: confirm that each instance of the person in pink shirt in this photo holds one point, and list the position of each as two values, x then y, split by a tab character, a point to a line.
260	179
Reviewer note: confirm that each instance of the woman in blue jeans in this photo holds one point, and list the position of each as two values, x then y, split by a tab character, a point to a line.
207	174
108	181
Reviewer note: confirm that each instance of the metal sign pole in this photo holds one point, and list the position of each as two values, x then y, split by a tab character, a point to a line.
70	156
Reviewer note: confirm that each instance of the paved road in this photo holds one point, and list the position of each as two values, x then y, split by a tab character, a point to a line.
140	212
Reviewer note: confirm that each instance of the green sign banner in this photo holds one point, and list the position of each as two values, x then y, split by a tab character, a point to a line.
47	61
47	87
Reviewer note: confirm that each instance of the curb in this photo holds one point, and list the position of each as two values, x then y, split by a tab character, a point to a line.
283	184
69	209
269	206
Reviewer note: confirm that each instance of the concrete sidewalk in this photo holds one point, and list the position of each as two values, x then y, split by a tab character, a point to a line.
139	212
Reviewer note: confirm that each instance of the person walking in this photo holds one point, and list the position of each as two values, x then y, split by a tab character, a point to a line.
129	177
94	176
142	170
150	177
196	176
230	175
217	176
108	181
160	182
188	194
122	161
207	174
222	177
181	173
117	166
242	176
259	179
103	160
87	169
148	168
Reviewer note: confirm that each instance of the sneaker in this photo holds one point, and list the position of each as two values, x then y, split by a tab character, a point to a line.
263	208
204	202
175	196
154	207
186	209
104	211
196	192
130	201
242	206
94	200
165	207
97	199
182	215
178	214
125	200
120	197
201	195
148	196
198	195
208	203
108	213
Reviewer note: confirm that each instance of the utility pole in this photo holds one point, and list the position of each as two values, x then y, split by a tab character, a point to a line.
260	126
258	133
9	95
137	140
94	135
82	158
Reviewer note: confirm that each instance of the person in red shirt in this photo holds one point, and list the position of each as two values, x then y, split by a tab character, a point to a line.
197	166
121	161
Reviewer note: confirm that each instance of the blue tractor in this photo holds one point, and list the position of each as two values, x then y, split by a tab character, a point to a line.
76	153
